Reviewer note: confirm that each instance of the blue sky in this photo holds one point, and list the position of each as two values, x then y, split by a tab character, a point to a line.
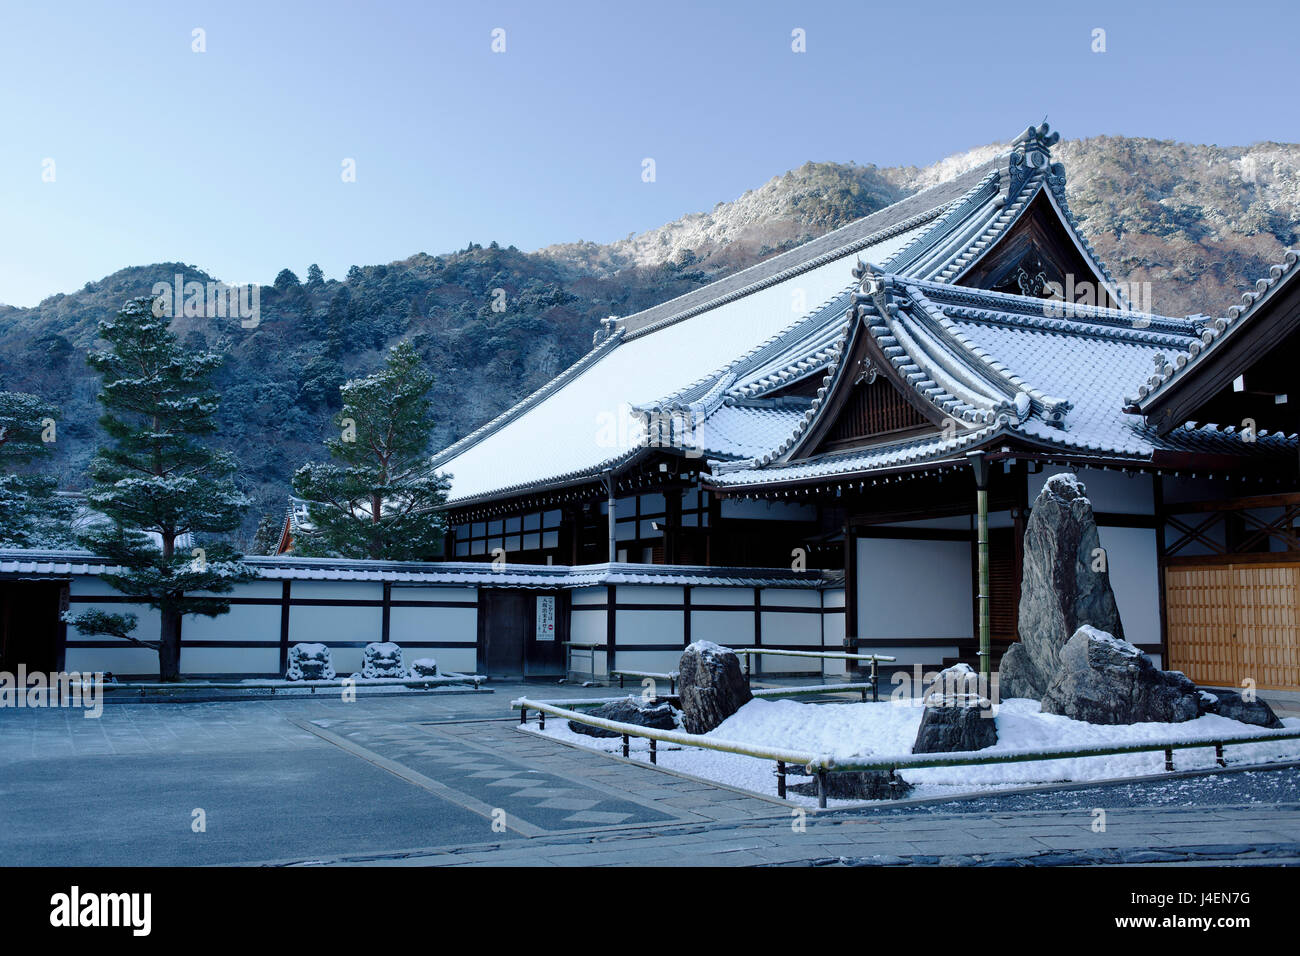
231	159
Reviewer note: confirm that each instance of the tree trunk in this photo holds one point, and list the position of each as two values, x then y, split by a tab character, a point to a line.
169	646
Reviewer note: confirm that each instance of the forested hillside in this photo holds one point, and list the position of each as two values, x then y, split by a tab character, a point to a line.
1199	223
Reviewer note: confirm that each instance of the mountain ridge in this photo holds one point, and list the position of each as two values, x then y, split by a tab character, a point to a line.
1199	223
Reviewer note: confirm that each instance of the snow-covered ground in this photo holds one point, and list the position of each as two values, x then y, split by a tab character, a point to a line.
844	730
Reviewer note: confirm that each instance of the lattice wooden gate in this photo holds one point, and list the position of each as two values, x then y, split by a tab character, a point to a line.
1232	622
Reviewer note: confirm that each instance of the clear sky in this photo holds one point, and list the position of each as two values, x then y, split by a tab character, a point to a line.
231	159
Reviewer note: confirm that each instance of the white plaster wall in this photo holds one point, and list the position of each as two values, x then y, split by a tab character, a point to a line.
647	627
594	595
636	594
736	596
913	589
244	622
790	597
430	624
729	628
1135	579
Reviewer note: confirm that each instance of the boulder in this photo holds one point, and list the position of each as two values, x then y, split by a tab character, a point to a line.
424	667
1230	704
382	660
310	662
955	680
1015	675
1105	680
1059	592
856	785
711	685
633	710
955	722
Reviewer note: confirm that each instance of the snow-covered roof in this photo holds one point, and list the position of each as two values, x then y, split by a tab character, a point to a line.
733	358
62	564
586	420
1214	332
1000	367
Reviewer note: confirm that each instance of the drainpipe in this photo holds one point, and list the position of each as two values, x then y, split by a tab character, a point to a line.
980	466
608	478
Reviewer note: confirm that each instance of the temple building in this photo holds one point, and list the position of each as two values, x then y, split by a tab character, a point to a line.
838	447
840	407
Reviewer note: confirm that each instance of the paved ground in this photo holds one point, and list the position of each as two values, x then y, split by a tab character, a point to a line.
426	780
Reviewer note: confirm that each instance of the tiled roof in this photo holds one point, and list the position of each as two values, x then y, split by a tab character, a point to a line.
588	419
1006	366
1216	331
62	564
719	357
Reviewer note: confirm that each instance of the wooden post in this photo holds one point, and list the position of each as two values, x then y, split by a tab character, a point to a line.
850	597
980	466
610	491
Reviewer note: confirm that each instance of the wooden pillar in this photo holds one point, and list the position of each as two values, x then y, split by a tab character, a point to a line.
1158	511
850	595
686	615
284	627
715	515
61	629
611	491
387	612
672	524
980	465
611	630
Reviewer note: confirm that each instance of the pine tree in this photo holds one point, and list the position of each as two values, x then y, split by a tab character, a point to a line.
30	514
376	499
156	481
267	536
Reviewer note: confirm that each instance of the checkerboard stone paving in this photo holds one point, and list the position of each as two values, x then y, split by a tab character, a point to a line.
547	801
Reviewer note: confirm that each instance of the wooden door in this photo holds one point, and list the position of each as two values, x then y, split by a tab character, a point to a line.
1232	622
505	623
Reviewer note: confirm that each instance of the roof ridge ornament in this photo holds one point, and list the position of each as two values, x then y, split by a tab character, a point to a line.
873	287
1031	153
607	327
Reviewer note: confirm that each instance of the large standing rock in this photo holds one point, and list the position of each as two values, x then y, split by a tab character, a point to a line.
711	685
1105	680
629	711
1059	592
1230	704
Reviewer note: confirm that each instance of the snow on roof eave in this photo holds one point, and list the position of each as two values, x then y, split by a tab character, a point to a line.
43	563
952	451
599	351
553	483
1217	330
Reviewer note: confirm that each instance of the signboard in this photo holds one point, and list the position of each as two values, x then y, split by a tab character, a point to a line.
546	617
